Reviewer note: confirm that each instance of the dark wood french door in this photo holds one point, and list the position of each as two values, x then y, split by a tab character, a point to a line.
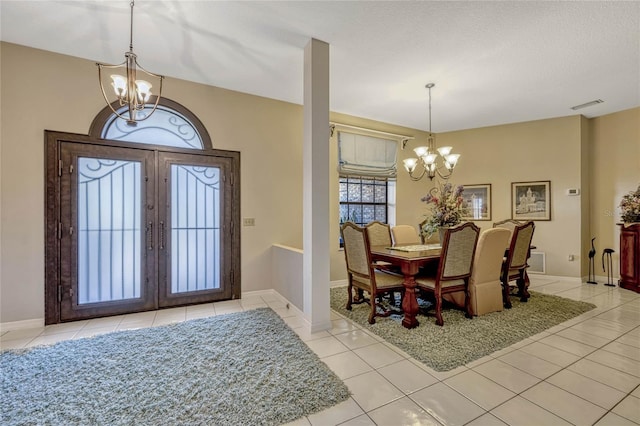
137	228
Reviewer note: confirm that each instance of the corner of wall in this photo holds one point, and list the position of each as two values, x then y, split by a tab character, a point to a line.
585	194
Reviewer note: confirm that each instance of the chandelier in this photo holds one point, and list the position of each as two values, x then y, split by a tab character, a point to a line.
129	90
427	156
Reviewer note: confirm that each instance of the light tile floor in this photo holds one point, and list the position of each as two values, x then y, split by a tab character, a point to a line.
585	371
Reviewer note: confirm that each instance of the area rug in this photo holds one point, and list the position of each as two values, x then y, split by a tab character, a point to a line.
462	340
246	368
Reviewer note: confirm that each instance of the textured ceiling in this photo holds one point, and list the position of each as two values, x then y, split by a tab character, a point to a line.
492	62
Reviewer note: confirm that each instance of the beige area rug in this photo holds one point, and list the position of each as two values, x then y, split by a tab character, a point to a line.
245	368
462	340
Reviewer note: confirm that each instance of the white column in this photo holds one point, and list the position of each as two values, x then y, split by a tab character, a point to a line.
316	263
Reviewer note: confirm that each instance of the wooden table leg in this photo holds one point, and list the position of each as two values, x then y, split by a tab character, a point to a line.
409	302
524	287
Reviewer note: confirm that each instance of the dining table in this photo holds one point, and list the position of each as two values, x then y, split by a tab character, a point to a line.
409	259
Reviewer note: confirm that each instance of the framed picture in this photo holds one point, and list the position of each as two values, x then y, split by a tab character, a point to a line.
531	200
477	202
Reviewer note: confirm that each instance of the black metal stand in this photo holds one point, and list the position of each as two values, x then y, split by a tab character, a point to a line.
592	265
608	252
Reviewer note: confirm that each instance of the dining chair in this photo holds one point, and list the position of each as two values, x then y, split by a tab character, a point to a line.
405	234
509	224
361	272
485	286
514	266
454	268
428	239
380	235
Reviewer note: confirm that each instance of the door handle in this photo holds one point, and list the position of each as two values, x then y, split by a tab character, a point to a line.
150	236
161	235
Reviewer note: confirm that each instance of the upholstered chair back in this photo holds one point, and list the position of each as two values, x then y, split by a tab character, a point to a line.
485	288
489	255
520	244
405	234
509	224
458	248
379	234
356	250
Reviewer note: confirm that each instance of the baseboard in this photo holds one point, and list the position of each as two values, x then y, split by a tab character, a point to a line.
338	283
259	293
273	292
602	279
20	325
39	322
557	277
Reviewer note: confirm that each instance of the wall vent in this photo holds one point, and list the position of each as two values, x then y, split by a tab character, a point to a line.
537	264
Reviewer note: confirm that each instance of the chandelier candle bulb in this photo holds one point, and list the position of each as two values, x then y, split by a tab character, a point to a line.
444	151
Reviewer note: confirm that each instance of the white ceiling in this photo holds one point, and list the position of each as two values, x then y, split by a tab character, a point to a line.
492	62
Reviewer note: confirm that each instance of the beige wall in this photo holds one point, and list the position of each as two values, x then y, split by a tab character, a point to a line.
268	134
615	171
499	155
43	90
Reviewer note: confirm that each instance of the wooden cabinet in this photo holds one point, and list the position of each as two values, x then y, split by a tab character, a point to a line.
630	257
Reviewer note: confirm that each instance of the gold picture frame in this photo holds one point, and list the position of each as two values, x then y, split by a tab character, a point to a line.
477	202
531	200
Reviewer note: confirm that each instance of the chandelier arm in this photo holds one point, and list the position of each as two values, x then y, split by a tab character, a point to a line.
414	178
155	106
148	72
104	95
442	176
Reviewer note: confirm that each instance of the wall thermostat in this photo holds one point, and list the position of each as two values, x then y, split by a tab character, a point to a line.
573	191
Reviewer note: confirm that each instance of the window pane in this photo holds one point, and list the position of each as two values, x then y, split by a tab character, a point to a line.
343	192
381	213
109	231
381	194
354	192
368	213
355	214
363	200
367	193
344	213
195	228
164	127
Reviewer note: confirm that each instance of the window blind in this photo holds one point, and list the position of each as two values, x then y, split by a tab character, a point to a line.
362	155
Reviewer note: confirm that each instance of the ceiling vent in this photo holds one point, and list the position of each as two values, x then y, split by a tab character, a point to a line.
587	104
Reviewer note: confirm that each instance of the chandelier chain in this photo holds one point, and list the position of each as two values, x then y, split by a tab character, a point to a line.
131	27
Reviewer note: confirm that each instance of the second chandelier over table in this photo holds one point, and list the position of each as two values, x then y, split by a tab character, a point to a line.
427	156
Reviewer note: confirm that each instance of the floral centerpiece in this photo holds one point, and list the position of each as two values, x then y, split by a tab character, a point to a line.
630	207
446	206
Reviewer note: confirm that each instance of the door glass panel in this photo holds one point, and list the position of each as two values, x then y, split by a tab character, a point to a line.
195	228
109	234
164	127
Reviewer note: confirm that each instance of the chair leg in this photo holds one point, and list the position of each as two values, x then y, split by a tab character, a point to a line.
438	296
467	302
522	287
505	293
373	308
349	294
